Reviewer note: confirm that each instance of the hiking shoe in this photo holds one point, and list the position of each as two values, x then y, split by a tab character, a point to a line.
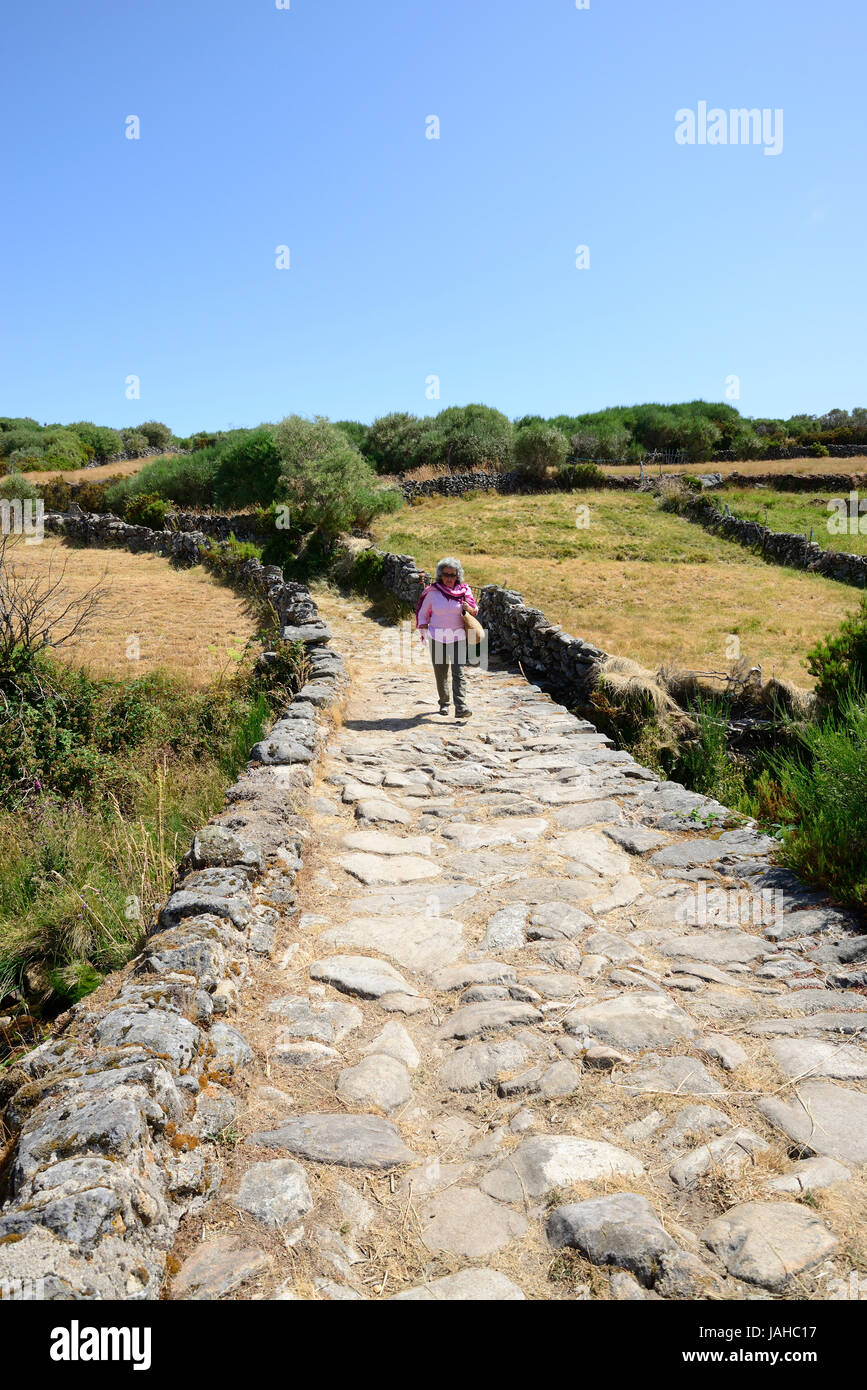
444	709
463	713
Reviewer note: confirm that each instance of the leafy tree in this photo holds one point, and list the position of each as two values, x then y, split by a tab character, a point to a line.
401	441
355	431
135	444
104	442
329	486
158	435
539	447
475	437
248	471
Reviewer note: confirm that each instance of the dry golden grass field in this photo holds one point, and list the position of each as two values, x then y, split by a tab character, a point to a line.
637	582
184	621
748	468
95	475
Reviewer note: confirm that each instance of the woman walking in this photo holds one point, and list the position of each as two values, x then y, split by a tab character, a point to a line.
440	614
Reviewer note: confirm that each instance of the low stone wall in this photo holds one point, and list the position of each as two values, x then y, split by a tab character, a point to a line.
113	1121
826	483
184	548
548	656
457	484
781	547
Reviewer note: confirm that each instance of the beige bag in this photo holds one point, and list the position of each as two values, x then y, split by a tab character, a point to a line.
473	627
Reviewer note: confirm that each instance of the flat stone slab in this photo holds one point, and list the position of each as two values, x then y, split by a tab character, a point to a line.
354	1141
542	1163
217	1267
805	1057
561	918
822	1119
593	853
635	839
621	1230
394	1041
717	948
684	1076
546	890
325	1020
465	1221
275	1193
377	1080
378	869
766	1243
418	943
587	813
361	975
633	1021
480	972
482	1018
377	810
482	1064
486	1285
729	1154
810	1175
489	834
305	1052
378	842
412	899
842	1023
505	930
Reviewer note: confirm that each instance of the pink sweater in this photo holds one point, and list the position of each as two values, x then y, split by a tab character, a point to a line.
443	615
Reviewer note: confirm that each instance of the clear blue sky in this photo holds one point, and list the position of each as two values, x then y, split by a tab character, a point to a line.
409	256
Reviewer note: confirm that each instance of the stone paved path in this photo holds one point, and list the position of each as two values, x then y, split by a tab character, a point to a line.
533	1031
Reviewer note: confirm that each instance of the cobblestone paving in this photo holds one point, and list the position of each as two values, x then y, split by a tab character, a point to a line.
539	1027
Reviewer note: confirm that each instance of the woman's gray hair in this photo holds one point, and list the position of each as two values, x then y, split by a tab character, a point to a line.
449	563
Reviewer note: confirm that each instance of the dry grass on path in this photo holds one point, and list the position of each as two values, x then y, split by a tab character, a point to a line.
185	621
637	581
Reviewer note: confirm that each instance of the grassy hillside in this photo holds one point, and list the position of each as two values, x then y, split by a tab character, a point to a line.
800	512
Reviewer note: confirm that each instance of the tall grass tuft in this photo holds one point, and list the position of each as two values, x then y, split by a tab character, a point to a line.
823	793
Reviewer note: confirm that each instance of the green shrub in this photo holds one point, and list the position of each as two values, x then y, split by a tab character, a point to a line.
56	494
147	509
355	431
93	497
328	485
366	573
819	451
16	486
397	442
475	438
25	461
248	471
841	659
103	441
825	794
581	475
186	480
538	447
134	443
158	435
